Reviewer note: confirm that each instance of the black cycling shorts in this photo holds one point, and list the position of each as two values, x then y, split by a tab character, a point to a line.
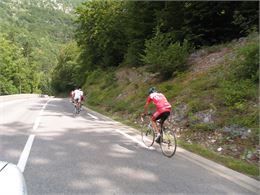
163	116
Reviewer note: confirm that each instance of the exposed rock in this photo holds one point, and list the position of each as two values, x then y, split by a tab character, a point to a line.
205	116
236	130
180	112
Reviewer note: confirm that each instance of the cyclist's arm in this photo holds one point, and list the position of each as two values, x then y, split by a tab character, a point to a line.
146	107
148	101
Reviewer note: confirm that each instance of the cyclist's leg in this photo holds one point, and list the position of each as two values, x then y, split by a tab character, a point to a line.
76	102
162	116
79	103
80	107
153	120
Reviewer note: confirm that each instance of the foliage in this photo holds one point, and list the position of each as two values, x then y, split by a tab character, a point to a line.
200	19
236	92
65	74
17	73
247	64
112	33
99	33
164	56
37	30
140	21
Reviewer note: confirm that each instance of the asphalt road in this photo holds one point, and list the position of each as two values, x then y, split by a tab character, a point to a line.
91	154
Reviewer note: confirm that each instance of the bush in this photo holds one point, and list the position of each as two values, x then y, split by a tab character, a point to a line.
247	64
7	87
131	57
93	77
164	56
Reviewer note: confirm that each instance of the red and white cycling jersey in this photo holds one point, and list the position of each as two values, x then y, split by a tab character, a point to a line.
159	101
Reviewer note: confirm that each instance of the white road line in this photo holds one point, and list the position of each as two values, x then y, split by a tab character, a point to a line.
27	148
25	154
92	116
134	139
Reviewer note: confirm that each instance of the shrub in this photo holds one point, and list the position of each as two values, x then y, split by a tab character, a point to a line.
164	56
7	87
93	76
247	64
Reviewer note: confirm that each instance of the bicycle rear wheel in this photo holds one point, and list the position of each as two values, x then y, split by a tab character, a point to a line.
168	142
147	135
75	111
78	109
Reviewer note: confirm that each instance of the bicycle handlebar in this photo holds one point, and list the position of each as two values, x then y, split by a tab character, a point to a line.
144	115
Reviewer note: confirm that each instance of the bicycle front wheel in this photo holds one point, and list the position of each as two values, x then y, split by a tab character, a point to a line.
147	135
168	142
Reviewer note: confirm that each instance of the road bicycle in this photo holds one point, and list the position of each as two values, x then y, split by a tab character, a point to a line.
167	140
77	108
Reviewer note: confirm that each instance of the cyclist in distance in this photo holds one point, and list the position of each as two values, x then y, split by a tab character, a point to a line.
163	108
77	95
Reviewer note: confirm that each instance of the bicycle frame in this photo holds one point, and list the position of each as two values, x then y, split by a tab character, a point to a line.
77	106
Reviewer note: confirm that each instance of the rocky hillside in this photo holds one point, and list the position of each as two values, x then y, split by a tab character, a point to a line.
214	111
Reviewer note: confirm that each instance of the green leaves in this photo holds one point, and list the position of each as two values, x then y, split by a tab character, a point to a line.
15	70
247	65
100	32
37	32
66	74
164	56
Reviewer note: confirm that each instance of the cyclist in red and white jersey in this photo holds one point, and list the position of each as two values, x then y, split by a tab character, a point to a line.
163	108
77	95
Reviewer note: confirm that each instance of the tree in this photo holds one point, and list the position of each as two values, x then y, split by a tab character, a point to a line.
66	74
99	33
13	69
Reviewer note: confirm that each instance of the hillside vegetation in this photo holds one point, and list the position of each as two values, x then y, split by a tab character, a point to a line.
158	34
215	102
